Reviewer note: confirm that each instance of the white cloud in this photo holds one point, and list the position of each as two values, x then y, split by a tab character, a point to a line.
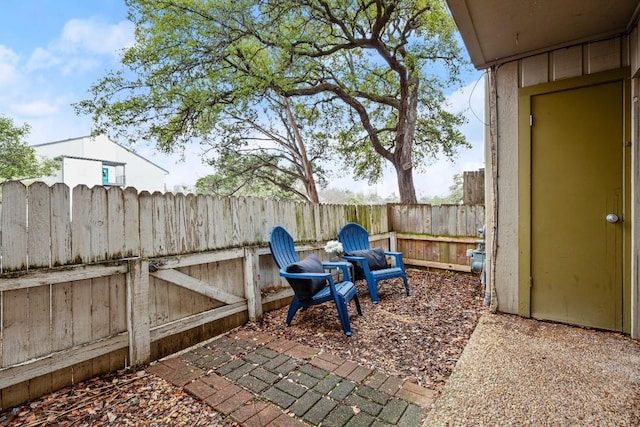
93	36
56	127
36	109
43	59
8	66
469	96
80	41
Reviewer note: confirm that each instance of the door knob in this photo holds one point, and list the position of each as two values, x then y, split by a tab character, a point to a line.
612	218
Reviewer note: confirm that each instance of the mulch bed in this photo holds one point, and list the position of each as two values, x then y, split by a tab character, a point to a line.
418	337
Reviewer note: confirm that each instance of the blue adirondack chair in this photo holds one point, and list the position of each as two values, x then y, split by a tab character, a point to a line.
311	284
357	250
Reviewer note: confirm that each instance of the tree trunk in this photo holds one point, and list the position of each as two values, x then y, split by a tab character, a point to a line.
405	185
403	156
309	181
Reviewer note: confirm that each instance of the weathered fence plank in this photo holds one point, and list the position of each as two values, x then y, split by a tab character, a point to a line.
138	308
251	287
473	187
238	218
202	223
17	374
38	332
60	225
188	282
60	275
99	224
14	226
81	310
159	225
166	228
147	222
208	203
115	220
118	304
100	308
15	327
61	316
177	326
39	225
81	225
132	224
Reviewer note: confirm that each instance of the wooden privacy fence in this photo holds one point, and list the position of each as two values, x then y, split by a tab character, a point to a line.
436	236
92	280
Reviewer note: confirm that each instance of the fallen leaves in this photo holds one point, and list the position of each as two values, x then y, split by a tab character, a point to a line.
124	398
418	337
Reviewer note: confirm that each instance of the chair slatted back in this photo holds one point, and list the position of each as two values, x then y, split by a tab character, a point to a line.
282	247
354	237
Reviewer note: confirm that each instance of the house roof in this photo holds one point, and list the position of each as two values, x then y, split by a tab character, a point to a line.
119	145
498	31
105	162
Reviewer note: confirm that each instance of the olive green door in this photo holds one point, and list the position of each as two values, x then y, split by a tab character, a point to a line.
576	182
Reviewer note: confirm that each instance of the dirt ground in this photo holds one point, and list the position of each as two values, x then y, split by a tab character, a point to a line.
419	337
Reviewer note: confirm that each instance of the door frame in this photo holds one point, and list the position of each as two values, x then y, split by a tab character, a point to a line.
525	184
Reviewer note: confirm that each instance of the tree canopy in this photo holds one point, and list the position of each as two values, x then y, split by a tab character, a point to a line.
17	159
266	153
366	77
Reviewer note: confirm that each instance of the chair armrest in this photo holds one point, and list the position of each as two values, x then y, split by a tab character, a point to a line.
397	256
326	276
391	253
354	258
341	265
360	260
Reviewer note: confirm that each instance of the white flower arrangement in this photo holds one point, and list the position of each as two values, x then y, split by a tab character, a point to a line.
333	247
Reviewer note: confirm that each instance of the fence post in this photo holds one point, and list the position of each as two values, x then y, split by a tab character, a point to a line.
138	312
393	241
251	287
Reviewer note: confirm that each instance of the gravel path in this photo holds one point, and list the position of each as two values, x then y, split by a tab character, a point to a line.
517	372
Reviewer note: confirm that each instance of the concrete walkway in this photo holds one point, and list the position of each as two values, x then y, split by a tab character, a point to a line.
523	372
259	380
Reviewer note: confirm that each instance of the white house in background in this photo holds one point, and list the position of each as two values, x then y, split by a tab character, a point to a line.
99	161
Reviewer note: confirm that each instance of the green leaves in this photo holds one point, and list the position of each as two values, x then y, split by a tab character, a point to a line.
370	74
17	159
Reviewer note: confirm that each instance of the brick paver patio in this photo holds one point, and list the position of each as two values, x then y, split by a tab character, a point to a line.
258	380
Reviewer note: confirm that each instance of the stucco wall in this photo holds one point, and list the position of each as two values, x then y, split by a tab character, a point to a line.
139	172
87	172
506	160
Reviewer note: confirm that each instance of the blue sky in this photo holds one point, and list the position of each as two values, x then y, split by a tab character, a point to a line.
52	51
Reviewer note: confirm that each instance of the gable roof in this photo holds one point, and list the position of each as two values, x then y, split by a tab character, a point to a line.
92	137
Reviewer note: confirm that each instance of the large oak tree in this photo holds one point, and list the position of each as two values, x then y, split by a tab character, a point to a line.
370	74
